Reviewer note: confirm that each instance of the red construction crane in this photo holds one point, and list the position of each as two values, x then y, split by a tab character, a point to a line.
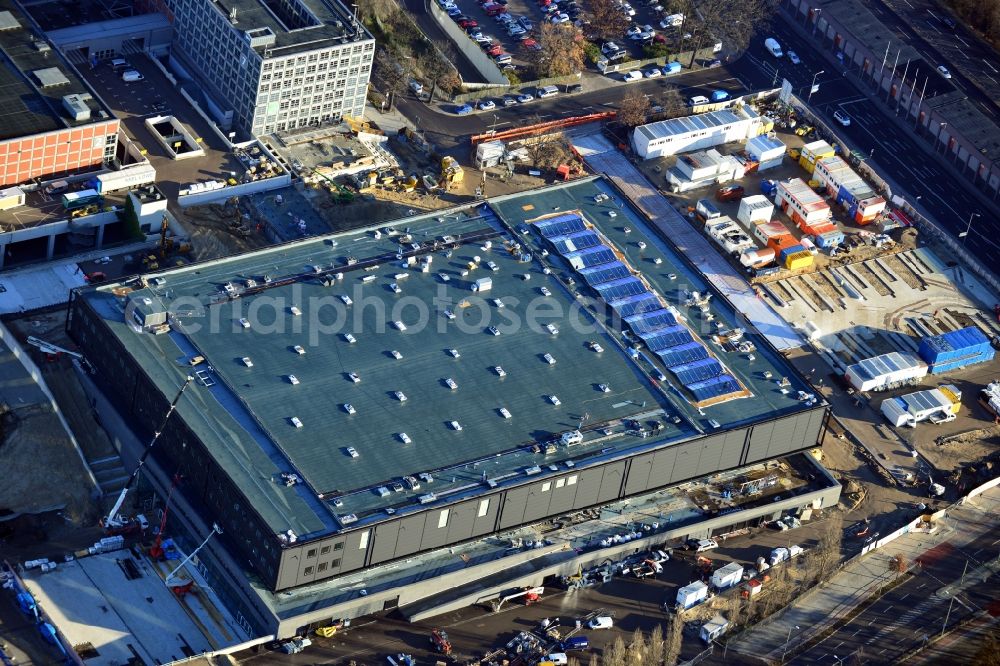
156	550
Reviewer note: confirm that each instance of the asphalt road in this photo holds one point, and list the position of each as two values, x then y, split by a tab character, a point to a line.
914	611
893	149
448	130
974	66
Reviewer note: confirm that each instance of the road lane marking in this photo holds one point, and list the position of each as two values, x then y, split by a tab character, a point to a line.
933	27
990	78
995	71
961	40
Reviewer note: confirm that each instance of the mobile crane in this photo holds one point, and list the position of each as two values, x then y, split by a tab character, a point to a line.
114	522
156	550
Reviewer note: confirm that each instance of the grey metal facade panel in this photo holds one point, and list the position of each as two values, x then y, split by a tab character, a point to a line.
411	533
611	481
435	529
732	448
662	471
782	436
484	524
563	496
638	473
588	488
384	538
288	570
354	555
760	442
461	520
686	463
513	507
537	504
709	454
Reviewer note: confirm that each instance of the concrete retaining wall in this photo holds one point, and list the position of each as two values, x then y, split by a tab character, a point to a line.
266	185
480	60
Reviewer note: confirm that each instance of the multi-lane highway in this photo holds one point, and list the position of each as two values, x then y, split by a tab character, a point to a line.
914	611
892	147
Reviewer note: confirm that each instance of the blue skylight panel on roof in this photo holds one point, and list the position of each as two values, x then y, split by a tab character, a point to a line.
631	305
667	337
596	275
685	353
560	225
580	240
714	387
592	256
697	371
618	289
651	321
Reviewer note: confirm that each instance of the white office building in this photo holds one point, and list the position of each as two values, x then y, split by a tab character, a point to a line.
274	65
681	135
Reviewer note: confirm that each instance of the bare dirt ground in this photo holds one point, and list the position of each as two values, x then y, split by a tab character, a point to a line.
215	231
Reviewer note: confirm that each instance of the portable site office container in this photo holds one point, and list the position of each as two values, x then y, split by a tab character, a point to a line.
913	408
796	260
850	190
768	152
830	239
11	197
689	595
801	203
754	210
768	230
955	349
727	576
812	152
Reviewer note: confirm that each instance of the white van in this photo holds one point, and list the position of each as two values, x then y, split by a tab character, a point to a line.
131	75
547	91
772	45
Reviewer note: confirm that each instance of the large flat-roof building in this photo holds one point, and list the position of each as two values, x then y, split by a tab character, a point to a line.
274	65
50	121
383	395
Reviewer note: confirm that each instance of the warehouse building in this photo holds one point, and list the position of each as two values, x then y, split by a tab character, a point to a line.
704	130
51	123
274	66
368	404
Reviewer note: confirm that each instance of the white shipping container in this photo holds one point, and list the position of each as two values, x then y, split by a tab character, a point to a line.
727	576
690	595
877	373
11	197
130	177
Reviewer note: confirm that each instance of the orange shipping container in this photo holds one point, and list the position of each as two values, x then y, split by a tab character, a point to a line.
779	243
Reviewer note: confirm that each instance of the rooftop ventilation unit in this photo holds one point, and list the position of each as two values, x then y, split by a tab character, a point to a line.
260	37
76	106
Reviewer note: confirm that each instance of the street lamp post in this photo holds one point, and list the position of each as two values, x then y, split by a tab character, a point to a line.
937	137
968	227
812	86
788	638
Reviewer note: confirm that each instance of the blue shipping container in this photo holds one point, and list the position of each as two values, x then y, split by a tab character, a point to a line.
792	249
955	349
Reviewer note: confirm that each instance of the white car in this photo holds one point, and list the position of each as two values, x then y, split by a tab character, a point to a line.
601	622
346	299
595	347
349	408
627	8
633	32
493	330
500	371
794	57
554	399
487	105
842	118
609	48
634	75
944	71
354	377
351	451
399	396
544	291
653	73
404	438
395	354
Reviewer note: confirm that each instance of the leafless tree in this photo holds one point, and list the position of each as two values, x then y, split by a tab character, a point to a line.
633	108
637	648
391	73
826	555
593	660
562	50
614	655
607	20
898	563
673	640
655	646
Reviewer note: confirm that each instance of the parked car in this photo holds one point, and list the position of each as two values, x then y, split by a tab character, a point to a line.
463	110
487	105
944	71
503	59
729	193
559	18
601	622
652	73
634	75
416	86
610	47
712	64
509	101
794	57
531	44
495	50
524	98
842	118
698	100
468	23
719	95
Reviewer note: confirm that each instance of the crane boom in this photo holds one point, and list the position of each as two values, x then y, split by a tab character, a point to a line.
50	348
113	520
173	574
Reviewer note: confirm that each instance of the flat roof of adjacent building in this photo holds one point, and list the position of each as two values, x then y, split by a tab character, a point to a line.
297	25
453	414
34	78
964	119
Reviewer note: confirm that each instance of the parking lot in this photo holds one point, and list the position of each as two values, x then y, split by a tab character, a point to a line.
526	14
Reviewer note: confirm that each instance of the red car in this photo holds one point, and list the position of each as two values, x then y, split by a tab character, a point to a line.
495	50
531	44
468	23
493	9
